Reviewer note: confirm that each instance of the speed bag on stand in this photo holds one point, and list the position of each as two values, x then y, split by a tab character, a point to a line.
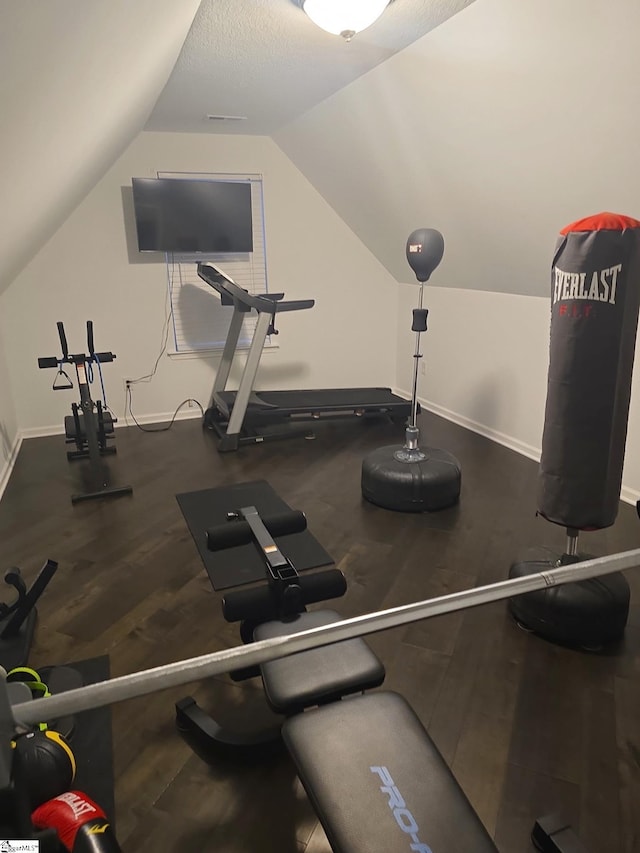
595	296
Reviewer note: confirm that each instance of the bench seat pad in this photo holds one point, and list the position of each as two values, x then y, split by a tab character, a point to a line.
318	675
377	781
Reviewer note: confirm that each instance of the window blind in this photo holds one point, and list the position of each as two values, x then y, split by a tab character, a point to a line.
200	322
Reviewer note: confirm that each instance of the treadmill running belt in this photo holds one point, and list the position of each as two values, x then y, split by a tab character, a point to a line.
318	400
347	398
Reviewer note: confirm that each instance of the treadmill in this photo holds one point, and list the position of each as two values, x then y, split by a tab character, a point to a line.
246	416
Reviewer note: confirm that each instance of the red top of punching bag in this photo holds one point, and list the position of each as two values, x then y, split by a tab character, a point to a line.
602	222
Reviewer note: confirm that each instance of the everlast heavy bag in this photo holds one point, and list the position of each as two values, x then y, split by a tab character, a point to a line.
595	294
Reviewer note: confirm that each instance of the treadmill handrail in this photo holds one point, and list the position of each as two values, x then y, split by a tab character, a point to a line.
263	304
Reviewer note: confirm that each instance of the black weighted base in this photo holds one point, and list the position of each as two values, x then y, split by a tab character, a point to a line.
429	484
590	614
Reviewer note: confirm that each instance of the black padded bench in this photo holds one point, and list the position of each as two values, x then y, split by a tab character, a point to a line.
371	771
319	675
377	781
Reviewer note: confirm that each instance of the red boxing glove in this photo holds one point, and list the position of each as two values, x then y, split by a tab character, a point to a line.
81	824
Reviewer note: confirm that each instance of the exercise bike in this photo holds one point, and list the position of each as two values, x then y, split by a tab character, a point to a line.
90	426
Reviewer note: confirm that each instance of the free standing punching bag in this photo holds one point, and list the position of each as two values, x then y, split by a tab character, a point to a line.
595	299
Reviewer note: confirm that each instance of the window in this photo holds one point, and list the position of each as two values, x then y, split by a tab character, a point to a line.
200	323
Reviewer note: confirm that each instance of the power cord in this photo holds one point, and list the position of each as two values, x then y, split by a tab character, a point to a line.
168	308
157	429
168	314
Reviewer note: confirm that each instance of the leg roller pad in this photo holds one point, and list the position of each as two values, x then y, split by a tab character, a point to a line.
378	782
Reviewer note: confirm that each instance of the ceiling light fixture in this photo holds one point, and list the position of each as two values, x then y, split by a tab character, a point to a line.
344	17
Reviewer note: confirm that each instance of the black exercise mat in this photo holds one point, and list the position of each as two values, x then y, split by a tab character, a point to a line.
243	564
91	740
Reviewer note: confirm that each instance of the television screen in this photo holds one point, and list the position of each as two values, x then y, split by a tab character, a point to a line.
187	215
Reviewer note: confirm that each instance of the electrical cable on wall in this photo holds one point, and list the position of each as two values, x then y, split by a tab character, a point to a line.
168	310
149	376
157	429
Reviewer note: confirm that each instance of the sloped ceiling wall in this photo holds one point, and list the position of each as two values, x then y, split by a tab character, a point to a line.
78	80
501	126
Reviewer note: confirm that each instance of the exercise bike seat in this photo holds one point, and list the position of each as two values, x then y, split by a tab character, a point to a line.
319	675
70	426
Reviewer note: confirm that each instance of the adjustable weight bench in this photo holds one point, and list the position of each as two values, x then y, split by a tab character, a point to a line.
375	778
377	781
373	774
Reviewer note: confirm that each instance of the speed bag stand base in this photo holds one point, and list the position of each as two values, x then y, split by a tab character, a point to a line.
425	485
588	614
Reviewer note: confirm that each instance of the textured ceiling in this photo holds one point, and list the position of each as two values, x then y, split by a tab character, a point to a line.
265	60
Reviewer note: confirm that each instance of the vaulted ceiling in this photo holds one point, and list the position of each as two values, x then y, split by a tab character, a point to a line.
79	80
264	63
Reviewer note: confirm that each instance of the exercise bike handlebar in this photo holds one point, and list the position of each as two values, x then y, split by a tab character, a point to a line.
52	361
78	358
47	361
93	355
63	340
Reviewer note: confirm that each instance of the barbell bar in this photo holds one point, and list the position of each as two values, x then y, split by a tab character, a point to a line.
139	684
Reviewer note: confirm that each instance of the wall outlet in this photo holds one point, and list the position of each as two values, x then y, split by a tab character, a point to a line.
423	368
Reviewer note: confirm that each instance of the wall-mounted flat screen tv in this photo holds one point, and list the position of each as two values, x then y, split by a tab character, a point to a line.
189	215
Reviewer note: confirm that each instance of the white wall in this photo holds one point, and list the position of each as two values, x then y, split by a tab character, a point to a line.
507	122
501	126
8	419
486	358
77	82
84	272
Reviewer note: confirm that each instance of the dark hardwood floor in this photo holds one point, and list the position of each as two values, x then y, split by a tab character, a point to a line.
527	727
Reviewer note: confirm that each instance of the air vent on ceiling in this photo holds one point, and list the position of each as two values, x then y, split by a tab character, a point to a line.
226	118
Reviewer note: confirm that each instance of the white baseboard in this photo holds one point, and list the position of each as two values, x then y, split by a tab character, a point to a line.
41	432
160	417
186	414
9	462
630	496
488	432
